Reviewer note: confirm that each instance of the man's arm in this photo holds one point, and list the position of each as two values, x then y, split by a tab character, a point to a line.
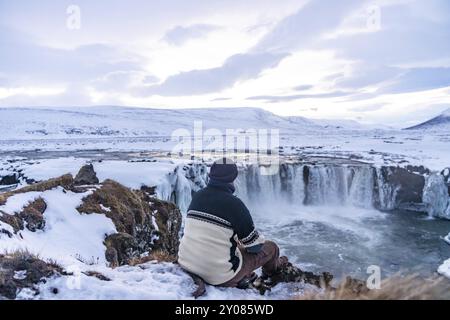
246	232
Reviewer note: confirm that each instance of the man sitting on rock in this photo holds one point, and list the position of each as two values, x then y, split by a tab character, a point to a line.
220	243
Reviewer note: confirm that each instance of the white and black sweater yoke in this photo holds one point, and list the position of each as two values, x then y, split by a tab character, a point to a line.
217	221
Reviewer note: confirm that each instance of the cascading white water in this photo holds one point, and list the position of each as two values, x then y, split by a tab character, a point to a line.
387	193
327	185
309	185
181	183
253	185
361	191
435	196
361	186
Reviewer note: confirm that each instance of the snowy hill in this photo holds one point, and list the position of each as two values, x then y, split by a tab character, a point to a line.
441	122
90	122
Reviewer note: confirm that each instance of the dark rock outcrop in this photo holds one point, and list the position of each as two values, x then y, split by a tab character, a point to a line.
291	273
407	185
31	217
418	169
9	179
121	249
65	181
22	270
86	176
446	174
143	222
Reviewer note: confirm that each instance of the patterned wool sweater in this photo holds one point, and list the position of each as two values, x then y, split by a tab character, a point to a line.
217	221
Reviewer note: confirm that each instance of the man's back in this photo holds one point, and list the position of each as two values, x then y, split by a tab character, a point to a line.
216	221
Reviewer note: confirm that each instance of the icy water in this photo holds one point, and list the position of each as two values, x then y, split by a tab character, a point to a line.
345	241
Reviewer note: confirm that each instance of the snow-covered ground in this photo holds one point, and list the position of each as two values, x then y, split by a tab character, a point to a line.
95	122
67	236
156	281
444	269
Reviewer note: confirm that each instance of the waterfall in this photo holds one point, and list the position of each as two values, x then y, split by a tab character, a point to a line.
361	192
340	185
327	185
254	185
436	197
360	185
182	183
387	193
294	183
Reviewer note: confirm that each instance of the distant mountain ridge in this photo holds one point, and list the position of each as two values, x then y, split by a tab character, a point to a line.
111	121
441	122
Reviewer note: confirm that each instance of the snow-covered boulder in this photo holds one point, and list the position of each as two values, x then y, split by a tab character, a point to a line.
444	269
435	196
30	217
22	273
143	222
118	223
86	175
9	179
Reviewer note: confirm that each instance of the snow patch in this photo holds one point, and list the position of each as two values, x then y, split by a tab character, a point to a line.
447	238
6	227
20	275
51	168
61	238
17	202
105	208
26	294
444	269
134	175
155	281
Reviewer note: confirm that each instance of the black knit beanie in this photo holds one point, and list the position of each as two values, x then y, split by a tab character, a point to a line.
223	170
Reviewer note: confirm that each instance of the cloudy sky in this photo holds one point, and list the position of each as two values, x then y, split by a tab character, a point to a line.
379	61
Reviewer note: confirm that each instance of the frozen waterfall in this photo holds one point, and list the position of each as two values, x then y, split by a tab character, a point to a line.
358	185
435	196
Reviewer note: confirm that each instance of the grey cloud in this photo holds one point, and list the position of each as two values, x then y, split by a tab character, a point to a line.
303	87
275	99
122	80
75	95
306	25
397	80
364	75
23	61
372	107
179	35
418	79
236	68
150	79
404	37
114	81
334	76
